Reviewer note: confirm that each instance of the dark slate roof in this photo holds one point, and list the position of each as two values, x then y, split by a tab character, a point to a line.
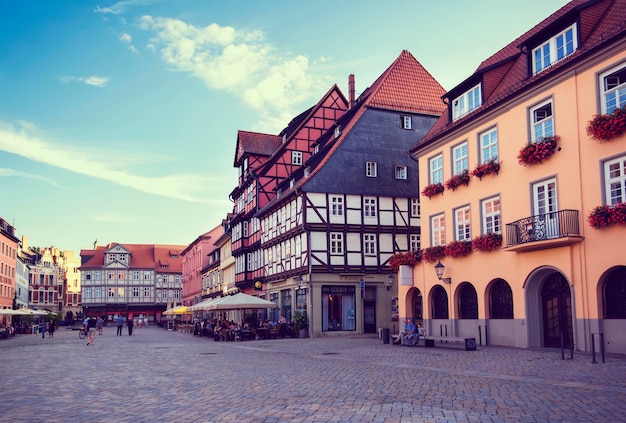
506	73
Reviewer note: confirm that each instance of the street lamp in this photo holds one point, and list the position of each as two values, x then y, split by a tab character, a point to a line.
439	269
389	284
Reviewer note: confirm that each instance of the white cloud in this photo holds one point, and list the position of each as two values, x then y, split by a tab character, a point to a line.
12	173
242	63
126	38
26	143
94	81
121	6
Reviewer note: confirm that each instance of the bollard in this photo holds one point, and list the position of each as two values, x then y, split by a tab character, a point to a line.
386	335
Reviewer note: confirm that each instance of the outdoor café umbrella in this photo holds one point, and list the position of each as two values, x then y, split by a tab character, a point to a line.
204	305
178	310
10	312
241	301
29	311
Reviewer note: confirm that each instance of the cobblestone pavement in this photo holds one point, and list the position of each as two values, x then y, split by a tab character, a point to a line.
163	376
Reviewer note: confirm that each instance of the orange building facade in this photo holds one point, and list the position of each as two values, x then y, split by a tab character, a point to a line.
558	277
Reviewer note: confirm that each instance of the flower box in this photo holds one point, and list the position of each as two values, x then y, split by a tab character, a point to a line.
408	258
487	242
537	152
432	254
458	248
603	216
462	178
492	166
432	189
607	127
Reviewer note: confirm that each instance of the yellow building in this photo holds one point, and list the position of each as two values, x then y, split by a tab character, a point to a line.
515	162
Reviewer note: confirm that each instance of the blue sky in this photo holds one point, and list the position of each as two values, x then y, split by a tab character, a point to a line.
118	120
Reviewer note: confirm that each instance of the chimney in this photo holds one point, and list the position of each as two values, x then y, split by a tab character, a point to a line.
351	90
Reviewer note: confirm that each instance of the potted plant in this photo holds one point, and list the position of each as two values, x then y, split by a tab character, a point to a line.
603	216
492	166
432	254
462	178
432	189
458	248
487	242
537	152
408	258
301	323
607	127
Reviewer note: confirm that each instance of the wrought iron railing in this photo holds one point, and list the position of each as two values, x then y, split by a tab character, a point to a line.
560	224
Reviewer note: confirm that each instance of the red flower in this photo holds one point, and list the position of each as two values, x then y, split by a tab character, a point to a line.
481	170
408	258
458	248
600	217
432	189
487	242
458	179
432	254
606	127
538	151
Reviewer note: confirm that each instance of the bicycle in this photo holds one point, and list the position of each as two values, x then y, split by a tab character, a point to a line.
82	334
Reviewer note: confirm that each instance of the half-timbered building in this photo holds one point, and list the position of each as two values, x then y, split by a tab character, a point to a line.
336	219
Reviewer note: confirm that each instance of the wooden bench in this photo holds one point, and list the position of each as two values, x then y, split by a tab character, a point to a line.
470	343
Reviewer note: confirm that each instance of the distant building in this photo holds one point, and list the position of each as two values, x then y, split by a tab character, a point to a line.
138	279
8	263
46	281
196	257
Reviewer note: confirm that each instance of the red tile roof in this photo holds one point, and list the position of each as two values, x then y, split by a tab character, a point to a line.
143	256
255	143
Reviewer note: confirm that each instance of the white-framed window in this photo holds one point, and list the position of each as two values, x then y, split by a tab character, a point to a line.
401	172
240	203
296	158
438	230
435	166
466	102
111	292
336	206
488	145
245	229
369	206
136	275
97	292
135	293
556	48
371	169
541	120
460	158
491	215
337	131
336	243
250	193
406	122
415	207
86	293
369	244
462	225
613	88
615	180
414	242
147	292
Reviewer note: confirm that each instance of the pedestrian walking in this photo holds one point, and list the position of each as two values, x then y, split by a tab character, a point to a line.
51	328
99	324
43	328
130	322
91	333
120	325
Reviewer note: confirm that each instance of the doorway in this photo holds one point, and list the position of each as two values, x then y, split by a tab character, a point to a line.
556	303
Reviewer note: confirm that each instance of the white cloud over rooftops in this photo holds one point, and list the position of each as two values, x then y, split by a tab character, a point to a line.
94	81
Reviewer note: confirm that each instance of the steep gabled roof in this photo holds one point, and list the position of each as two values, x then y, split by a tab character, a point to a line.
255	143
143	256
506	73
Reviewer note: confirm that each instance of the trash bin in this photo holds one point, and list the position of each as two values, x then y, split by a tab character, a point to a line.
385	336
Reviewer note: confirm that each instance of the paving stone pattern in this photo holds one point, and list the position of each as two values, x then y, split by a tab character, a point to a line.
158	375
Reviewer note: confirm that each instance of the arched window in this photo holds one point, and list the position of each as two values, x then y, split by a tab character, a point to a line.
615	294
500	300
440	303
468	302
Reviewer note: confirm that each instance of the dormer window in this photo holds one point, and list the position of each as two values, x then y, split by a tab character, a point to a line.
291	183
556	48
307	171
296	158
406	122
284	138
316	149
337	131
467	102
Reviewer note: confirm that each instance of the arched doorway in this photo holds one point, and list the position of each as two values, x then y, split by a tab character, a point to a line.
415	305
556	303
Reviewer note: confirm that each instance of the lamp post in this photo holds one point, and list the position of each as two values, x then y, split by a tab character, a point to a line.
439	269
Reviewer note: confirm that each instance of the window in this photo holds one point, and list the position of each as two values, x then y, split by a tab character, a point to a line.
337	132
296	158
336	206
615	180
491	216
436	169
468	302
613	89
414	241
371	169
400	172
87	293
406	122
338	308
541	121
336	243
136	275
111	292
369	244
615	294
438	230
369	206
415	207
467	102
462	224
250	193
440	303
460	159
489	146
500	300
135	292
556	48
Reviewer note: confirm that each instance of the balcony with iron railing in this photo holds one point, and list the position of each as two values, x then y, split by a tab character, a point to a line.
539	232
